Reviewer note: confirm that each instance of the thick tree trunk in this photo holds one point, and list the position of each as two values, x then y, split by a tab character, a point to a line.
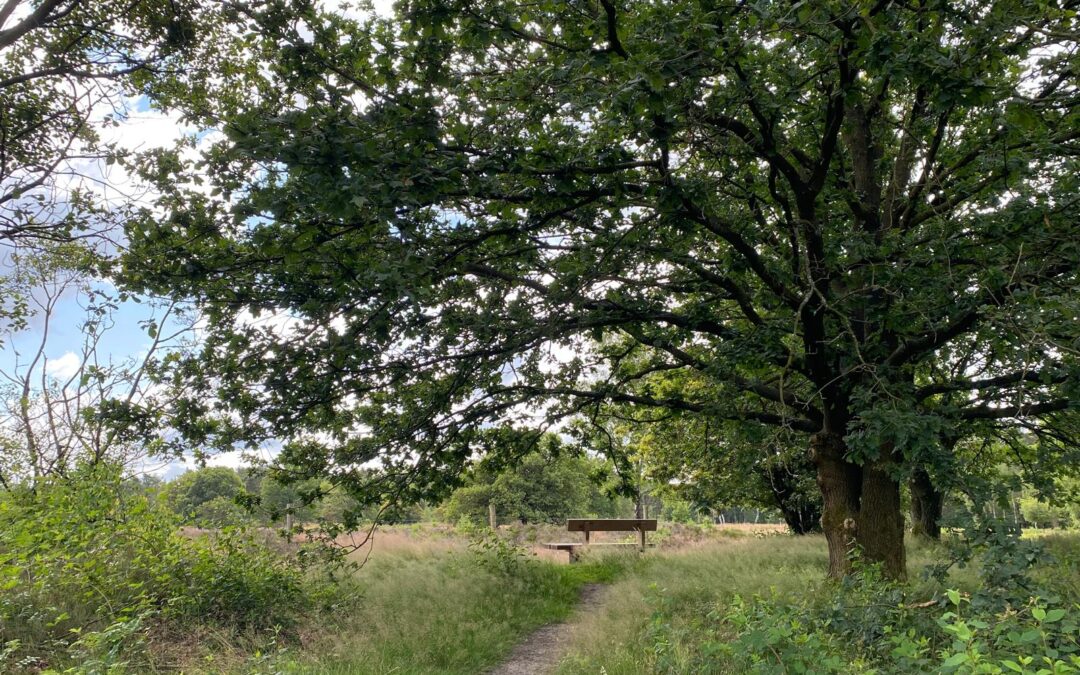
861	508
926	504
880	525
839	481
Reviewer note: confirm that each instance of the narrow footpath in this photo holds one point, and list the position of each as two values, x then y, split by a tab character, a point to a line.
540	653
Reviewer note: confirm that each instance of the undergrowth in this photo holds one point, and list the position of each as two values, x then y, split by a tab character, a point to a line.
762	607
91	572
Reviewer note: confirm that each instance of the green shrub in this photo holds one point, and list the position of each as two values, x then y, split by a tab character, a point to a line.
234	580
866	624
1032	639
195	488
497	554
220	512
87	568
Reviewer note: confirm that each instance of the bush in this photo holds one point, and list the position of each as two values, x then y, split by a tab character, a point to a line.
677	511
87	568
236	581
496	553
220	512
195	488
867	624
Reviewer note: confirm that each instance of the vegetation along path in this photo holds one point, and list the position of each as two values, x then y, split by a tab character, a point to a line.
541	652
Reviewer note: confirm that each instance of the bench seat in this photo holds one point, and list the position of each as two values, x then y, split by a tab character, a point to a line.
571	545
588	525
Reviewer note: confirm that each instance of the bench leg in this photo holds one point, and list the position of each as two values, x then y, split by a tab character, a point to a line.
642	532
574	556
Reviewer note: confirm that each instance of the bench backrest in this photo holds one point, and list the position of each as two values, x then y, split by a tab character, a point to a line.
611	525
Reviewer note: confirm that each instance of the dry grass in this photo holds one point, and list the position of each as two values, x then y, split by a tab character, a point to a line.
402	542
693	578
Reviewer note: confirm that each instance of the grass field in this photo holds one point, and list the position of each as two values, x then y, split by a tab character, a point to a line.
421	603
425	603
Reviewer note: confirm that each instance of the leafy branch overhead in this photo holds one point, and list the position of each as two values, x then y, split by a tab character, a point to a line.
66	70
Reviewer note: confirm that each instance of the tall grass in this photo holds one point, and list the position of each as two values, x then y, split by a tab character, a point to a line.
660	605
683	585
424	603
420	608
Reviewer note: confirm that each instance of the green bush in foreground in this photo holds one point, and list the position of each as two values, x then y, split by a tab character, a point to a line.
88	568
866	624
774	637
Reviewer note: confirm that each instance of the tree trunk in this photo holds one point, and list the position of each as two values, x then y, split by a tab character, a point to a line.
880	524
861	508
926	505
839	481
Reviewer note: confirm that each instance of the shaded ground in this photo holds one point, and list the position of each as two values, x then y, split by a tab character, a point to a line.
540	652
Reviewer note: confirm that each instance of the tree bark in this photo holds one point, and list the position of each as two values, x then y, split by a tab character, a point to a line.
926	506
861	508
880	524
839	481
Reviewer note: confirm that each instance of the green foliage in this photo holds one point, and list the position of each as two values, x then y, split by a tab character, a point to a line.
220	512
497	553
277	498
336	507
867	624
778	637
64	67
237	581
1039	513
537	489
843	220
677	511
469	502
88	566
191	490
718	466
1025	639
772	638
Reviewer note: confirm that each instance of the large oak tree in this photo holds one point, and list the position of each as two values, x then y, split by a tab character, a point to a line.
483	214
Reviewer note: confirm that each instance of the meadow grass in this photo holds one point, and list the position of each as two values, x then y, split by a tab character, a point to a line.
432	608
425	604
682	586
675	591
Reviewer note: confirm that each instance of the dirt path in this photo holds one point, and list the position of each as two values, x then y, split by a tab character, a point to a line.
540	653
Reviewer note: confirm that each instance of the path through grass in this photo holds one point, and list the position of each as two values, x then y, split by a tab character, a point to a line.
437	611
433	609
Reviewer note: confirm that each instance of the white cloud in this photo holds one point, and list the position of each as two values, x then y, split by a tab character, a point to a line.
65	367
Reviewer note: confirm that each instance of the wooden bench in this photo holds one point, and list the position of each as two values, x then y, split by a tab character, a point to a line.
589	525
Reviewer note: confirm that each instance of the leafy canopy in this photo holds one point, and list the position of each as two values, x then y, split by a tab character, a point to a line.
424	231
